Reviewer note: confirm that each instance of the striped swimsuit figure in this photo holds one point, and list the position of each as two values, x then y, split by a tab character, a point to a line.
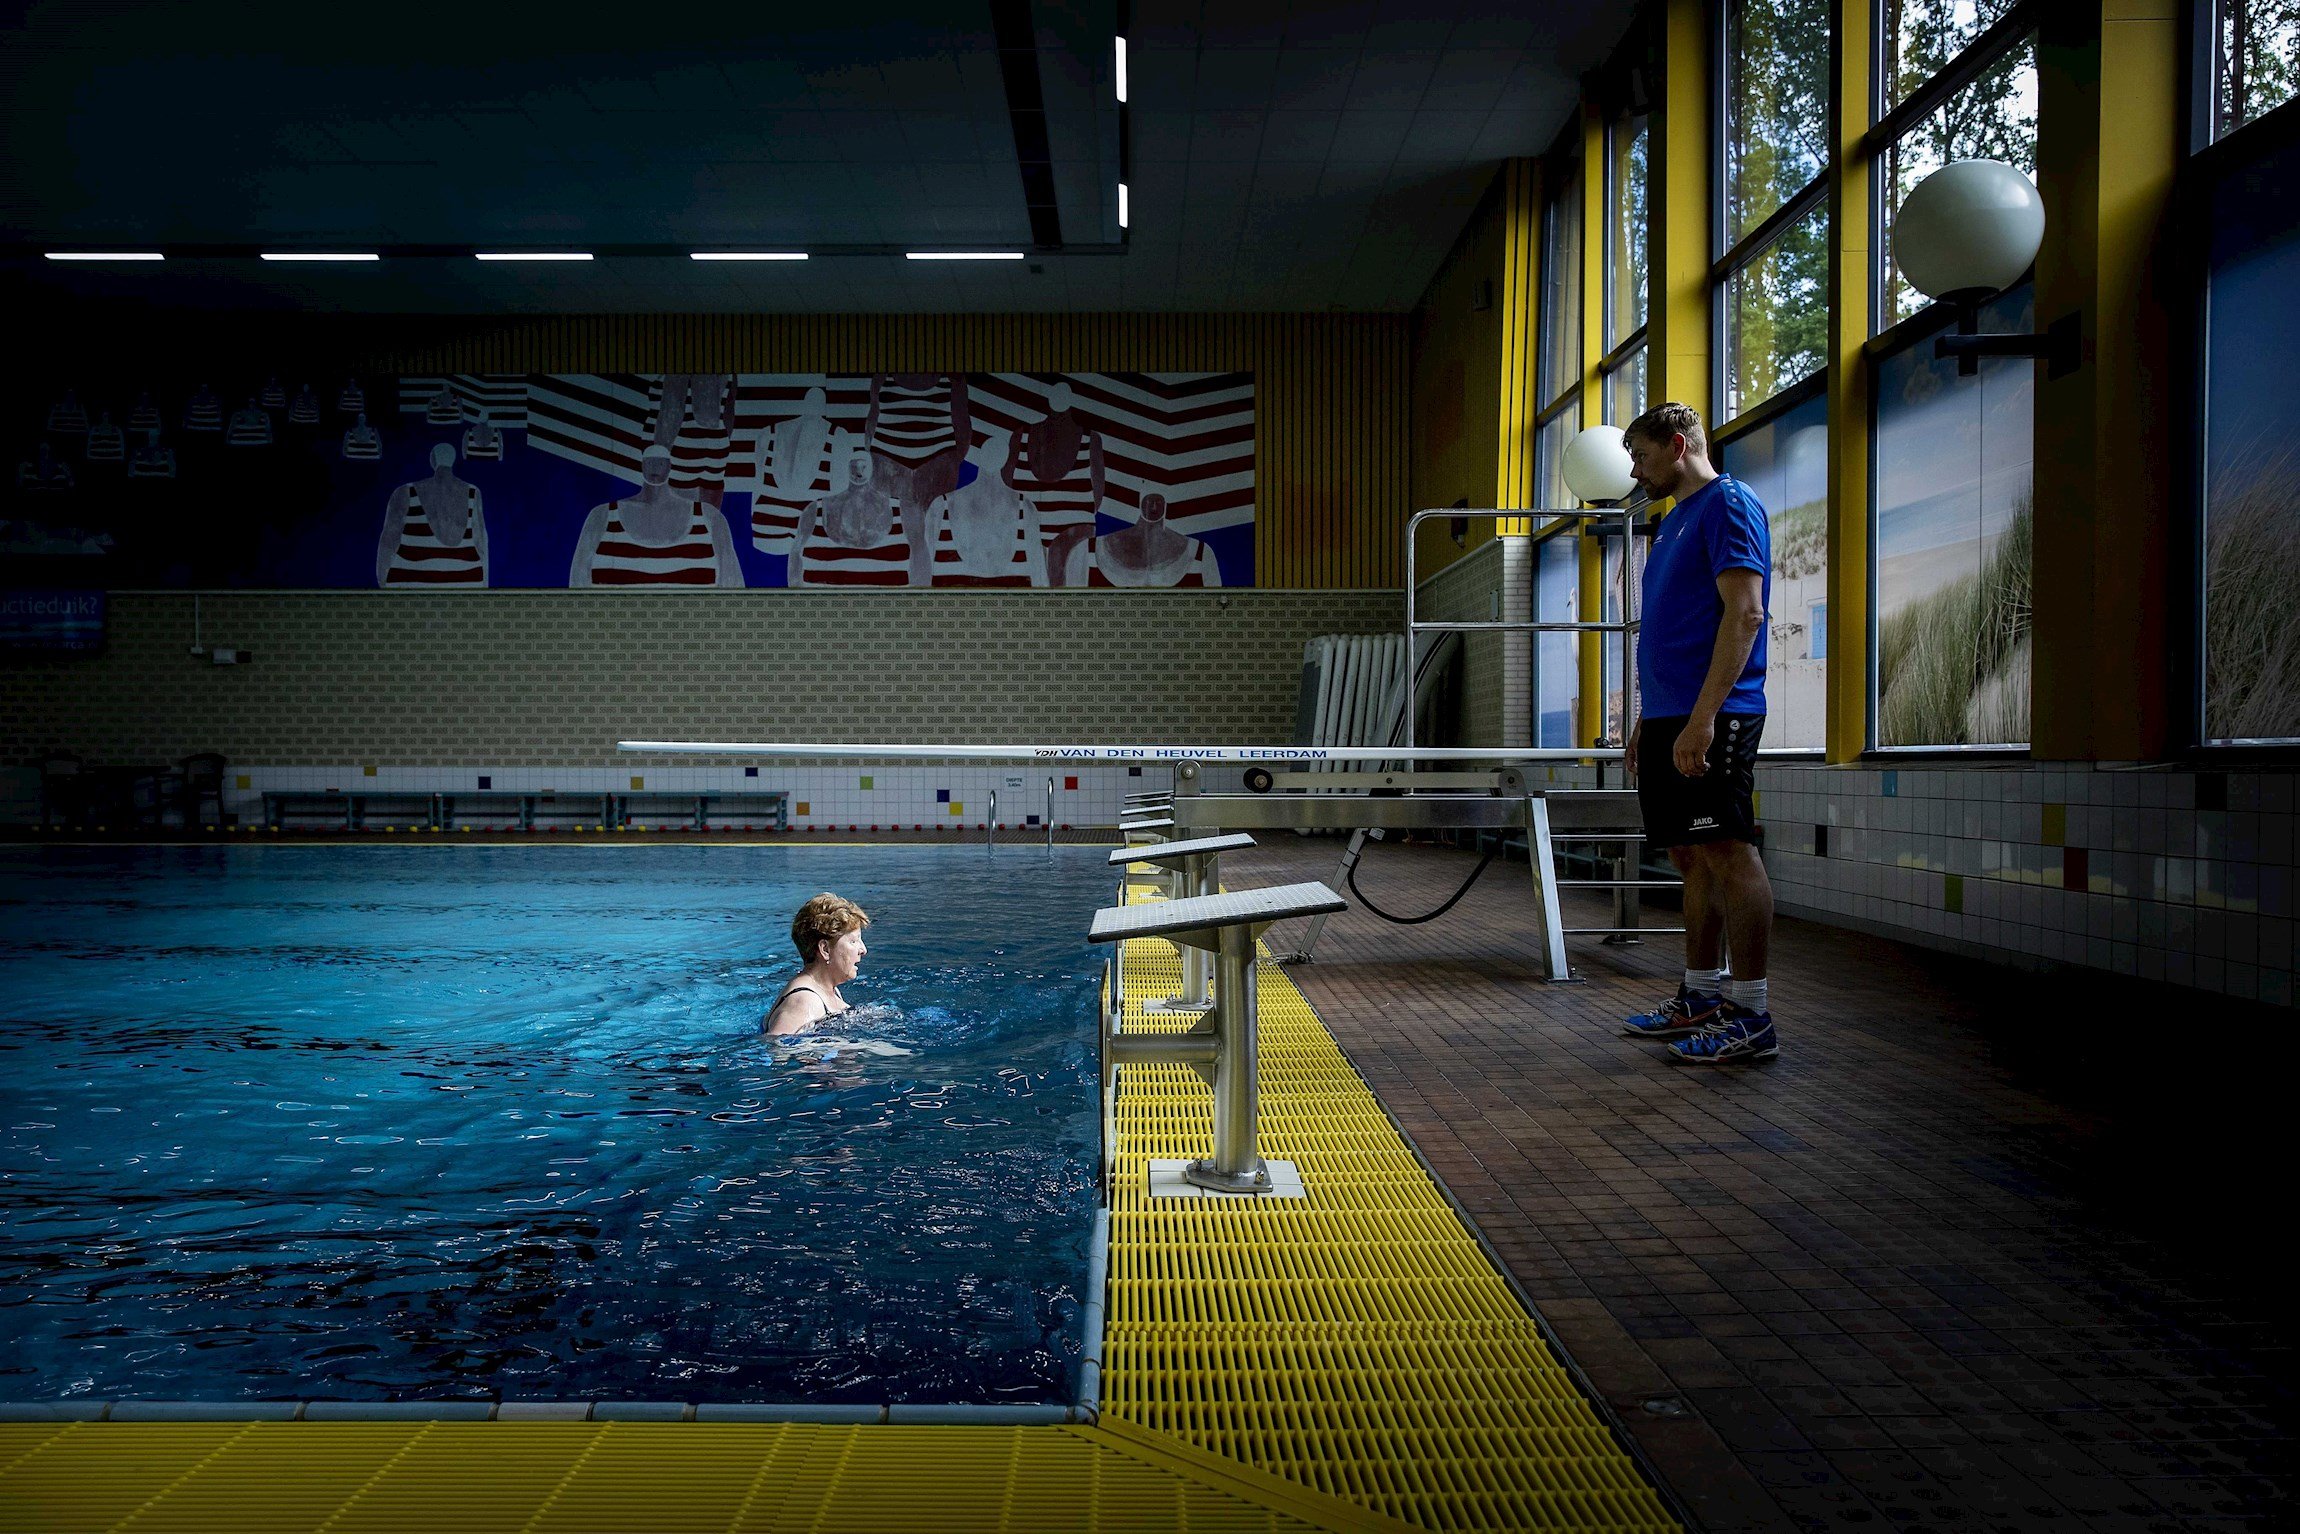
423	558
949	569
622	560
914	425
775	510
883	563
1198	570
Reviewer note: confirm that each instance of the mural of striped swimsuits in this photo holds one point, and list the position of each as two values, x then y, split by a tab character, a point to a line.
1186	436
621	560
423	558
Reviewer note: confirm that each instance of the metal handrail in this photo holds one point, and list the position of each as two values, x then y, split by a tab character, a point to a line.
1050	814
1627	628
991	839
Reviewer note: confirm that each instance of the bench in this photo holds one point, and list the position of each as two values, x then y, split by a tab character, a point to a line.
697	808
1221	1045
349	811
524	806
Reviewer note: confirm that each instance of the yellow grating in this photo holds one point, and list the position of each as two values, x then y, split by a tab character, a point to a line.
615	1478
1356	1341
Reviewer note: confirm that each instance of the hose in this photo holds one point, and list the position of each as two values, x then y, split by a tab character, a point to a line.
1415	921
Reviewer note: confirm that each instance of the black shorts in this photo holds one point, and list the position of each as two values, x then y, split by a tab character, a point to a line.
1718	806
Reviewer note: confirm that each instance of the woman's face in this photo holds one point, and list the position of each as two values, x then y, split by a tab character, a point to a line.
846	956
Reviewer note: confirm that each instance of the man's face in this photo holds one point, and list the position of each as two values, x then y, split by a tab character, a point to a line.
1654	464
655	469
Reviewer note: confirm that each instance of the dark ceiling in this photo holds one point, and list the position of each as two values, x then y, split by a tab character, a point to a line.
1284	156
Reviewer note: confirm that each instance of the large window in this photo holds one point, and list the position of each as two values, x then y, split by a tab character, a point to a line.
1626	144
1556	677
1785	460
2255	60
1992	117
2250	528
1557	378
1772	218
1951	452
1953	538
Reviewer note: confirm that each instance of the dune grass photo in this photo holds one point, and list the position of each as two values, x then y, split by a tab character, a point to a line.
2252	606
1952	667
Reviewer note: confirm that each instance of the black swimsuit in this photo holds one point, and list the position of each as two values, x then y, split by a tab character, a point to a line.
800	985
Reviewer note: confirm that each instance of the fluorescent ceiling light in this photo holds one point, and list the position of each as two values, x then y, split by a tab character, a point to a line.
963	255
1121	69
1121	204
532	255
319	255
748	255
105	255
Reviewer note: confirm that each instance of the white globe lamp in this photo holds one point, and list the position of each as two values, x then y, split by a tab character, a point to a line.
1596	465
1969	230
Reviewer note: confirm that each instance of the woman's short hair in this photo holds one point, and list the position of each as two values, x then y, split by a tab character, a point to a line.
824	919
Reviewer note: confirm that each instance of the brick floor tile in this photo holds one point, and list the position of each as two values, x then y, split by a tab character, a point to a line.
1908	1276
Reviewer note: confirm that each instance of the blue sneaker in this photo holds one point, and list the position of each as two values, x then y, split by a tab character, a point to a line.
1682	1015
1736	1037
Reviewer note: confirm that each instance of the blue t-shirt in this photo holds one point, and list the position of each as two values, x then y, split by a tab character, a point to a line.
1719	527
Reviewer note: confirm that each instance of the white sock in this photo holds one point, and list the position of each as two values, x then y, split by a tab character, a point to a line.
1748	995
1707	981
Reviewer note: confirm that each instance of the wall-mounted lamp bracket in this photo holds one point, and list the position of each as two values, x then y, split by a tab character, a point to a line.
2060	347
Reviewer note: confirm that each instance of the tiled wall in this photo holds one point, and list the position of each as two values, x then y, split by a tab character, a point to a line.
480	682
2165	873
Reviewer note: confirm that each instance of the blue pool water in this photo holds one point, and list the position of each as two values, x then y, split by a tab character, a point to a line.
443	1122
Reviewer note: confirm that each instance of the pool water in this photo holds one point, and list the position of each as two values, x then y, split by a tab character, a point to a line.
397	1124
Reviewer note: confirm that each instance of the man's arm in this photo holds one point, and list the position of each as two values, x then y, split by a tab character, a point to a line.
1743	592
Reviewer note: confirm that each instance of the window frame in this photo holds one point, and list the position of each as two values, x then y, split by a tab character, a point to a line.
2210	162
1562	164
1726	261
1621	353
2000	37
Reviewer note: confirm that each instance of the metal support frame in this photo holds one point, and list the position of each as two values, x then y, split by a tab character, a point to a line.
1221	1047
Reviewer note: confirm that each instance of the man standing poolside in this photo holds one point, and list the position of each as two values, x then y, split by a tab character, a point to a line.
1701	672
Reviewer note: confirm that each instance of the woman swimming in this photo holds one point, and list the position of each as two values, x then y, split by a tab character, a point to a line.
828	935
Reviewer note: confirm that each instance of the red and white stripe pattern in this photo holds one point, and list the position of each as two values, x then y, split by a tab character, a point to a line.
914	423
622	560
1186	436
423	558
603	420
500	399
885	562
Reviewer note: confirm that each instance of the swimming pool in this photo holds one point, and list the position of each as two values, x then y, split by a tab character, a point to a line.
412	1124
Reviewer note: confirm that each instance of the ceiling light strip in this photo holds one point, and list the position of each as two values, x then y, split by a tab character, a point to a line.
962	255
747	255
1122	68
105	255
531	255
319	255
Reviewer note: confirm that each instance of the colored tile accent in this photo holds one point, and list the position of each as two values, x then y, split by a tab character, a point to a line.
804	808
638	782
486	781
367	772
243	781
867	782
2212	790
1820	841
2074	875
942	796
1070	785
1953	894
1892	785
2055	825
957	808
750	772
